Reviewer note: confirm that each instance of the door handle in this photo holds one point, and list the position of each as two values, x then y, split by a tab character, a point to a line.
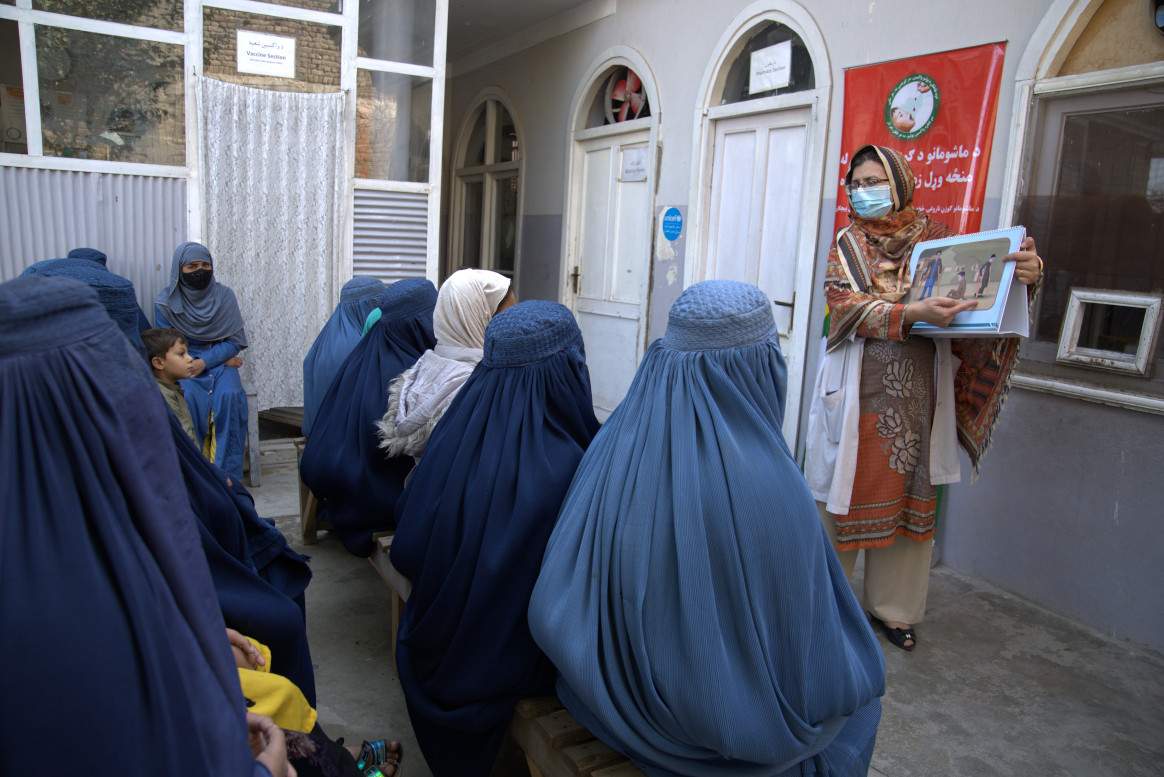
789	305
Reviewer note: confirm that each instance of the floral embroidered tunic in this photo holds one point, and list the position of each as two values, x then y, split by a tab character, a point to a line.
866	279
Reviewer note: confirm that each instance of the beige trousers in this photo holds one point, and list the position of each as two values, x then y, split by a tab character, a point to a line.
897	577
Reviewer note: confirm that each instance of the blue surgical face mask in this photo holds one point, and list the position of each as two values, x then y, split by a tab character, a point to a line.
872	202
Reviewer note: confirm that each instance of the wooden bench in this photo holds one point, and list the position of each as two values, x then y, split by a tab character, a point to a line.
555	745
251	454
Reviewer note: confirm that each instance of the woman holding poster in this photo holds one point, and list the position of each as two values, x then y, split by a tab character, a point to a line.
890	409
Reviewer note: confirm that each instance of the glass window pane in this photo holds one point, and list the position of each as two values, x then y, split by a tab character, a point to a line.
1111	328
505	224
317	50
475	149
471	239
163	14
13	139
397	30
1100	225
393	124
104	97
504	136
738	86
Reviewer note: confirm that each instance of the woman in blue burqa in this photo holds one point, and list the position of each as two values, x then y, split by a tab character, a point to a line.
207	314
689	595
356	483
112	640
358	298
471	528
115	293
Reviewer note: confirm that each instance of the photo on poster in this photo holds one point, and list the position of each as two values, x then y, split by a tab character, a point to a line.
967	268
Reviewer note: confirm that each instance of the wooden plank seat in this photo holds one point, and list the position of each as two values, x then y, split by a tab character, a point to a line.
555	744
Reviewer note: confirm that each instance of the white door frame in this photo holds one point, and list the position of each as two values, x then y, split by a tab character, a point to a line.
617	56
795	17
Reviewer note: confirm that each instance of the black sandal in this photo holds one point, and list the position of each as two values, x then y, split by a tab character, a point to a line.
897	636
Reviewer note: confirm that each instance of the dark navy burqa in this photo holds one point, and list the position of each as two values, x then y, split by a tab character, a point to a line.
689	596
259	580
356	483
112	643
472	525
359	297
114	292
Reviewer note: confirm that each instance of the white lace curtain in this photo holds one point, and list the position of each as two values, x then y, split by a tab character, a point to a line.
272	167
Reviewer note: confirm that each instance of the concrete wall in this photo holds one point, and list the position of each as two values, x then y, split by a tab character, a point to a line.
1067	513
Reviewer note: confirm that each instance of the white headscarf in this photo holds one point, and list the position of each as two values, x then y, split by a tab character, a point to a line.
418	397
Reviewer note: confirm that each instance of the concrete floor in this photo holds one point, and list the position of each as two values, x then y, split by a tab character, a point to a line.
996	685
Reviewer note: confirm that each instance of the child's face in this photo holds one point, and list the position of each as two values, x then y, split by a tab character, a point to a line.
178	364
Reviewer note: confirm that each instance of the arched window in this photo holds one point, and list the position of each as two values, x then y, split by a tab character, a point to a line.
486	201
774	41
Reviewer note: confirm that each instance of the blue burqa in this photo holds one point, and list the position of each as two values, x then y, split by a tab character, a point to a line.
689	595
259	580
111	633
115	293
472	525
210	320
358	485
360	296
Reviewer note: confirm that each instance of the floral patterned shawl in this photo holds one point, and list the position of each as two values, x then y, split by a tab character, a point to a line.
867	275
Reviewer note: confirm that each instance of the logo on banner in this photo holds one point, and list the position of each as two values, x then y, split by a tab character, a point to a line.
912	106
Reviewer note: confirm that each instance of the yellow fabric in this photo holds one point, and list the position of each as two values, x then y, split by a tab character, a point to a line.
210	444
275	696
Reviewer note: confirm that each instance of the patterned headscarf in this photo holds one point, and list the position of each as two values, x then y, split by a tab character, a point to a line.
885	243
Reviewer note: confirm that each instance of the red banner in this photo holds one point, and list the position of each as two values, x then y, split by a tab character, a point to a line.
938	110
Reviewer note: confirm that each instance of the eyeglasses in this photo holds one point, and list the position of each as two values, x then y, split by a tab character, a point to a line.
865	183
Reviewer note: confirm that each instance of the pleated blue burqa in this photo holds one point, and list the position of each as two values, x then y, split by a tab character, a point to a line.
472	525
115	293
342	464
359	297
259	581
111	632
689	595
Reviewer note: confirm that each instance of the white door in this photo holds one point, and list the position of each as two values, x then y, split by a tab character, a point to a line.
610	223
758	222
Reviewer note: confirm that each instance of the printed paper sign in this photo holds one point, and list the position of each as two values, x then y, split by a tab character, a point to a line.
12	114
634	165
771	68
267	55
938	110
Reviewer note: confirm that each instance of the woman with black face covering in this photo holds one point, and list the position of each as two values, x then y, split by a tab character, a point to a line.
207	313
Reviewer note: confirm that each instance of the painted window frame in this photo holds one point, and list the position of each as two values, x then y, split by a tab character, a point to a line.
1069	350
489	175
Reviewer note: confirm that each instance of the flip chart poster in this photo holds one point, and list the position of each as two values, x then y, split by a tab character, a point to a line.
939	111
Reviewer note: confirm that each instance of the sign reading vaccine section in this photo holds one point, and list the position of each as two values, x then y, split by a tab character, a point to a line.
267	55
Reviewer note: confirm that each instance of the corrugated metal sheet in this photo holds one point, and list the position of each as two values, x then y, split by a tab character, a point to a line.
136	220
391	234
